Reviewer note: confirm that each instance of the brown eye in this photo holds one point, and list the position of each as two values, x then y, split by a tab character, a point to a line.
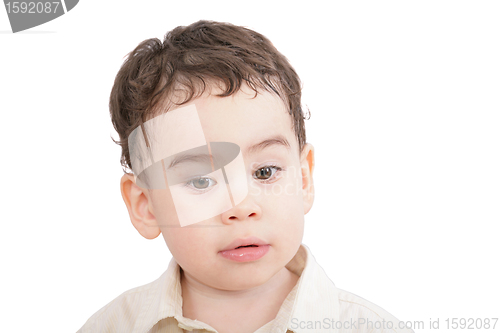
264	173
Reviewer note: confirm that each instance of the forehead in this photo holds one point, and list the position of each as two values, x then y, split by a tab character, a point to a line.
242	118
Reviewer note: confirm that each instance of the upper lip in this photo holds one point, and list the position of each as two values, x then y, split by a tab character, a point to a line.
243	242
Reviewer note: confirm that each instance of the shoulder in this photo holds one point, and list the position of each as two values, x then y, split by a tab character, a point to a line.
364	316
121	314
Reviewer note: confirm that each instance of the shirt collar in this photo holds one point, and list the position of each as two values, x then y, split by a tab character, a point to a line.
314	298
317	297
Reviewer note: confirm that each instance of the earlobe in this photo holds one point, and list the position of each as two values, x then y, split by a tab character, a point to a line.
139	209
307	167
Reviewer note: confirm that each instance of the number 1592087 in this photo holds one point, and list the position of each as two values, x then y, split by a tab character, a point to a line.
16	7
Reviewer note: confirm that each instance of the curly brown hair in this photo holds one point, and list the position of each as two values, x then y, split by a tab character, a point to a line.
189	59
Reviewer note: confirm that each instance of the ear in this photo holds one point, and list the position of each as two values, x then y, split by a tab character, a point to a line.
139	207
307	167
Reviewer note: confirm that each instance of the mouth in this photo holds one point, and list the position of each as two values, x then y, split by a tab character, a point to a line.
244	243
239	247
245	250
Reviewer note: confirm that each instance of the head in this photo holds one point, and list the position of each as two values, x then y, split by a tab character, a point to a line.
245	92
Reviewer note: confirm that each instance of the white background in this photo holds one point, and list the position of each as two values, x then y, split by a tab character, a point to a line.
405	119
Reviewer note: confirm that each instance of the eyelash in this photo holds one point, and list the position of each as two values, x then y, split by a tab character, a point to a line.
265	181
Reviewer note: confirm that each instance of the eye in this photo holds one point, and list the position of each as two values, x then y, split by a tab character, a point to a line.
267	172
201	183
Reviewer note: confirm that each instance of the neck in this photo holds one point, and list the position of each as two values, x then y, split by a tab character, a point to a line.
236	310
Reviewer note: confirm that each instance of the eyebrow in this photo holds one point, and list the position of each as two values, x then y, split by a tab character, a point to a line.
183	158
276	141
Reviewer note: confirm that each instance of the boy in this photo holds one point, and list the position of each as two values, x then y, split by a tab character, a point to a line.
210	123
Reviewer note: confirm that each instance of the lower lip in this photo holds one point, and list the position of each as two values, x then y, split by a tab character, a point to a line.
244	254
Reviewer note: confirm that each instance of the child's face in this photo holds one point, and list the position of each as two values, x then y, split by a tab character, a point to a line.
274	209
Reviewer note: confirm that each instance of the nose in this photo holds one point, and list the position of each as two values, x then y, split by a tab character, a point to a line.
245	210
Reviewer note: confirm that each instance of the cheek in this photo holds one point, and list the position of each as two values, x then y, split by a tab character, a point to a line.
289	192
289	208
164	209
186	243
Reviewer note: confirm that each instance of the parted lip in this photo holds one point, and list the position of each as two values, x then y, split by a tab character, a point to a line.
244	242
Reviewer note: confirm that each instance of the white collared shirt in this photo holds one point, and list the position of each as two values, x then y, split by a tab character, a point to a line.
313	305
